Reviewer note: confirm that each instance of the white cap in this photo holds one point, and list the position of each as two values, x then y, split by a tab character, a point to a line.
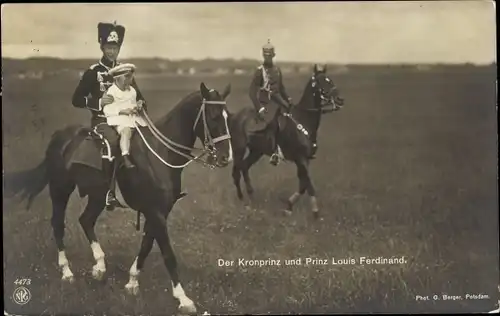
121	70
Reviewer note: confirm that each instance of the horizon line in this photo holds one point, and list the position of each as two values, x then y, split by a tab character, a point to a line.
257	60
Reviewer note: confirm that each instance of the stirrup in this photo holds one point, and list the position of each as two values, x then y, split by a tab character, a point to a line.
275	159
111	201
181	195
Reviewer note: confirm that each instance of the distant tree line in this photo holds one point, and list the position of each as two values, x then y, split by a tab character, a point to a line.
158	65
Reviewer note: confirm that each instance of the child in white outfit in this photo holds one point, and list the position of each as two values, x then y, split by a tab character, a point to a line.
122	113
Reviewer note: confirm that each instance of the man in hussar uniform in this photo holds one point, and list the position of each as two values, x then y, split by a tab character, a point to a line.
269	97
90	94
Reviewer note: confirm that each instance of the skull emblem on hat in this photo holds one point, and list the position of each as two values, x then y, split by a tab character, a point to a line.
113	37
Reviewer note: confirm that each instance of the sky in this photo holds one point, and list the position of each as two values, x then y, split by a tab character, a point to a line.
338	32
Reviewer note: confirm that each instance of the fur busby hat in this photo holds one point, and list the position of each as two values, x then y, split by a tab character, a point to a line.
110	33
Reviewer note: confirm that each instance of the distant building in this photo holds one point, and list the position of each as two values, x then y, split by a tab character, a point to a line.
239	71
304	69
163	66
35	75
287	70
192	71
339	70
423	67
221	71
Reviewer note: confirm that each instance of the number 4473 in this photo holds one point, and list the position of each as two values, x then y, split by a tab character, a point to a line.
22	281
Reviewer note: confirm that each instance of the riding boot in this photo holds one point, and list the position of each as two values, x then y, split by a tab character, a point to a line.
127	162
111	201
181	195
313	151
277	156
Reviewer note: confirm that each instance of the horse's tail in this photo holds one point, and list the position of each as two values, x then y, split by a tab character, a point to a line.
28	183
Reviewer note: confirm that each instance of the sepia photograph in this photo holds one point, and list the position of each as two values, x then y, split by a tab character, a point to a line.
249	158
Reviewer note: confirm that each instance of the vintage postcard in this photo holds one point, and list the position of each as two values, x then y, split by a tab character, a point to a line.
250	158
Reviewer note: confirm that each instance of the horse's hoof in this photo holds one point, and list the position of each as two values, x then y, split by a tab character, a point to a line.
68	278
317	216
287	212
97	273
188	309
132	288
288	204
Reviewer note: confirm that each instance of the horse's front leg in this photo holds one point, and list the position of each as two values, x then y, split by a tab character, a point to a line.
311	190
248	162
302	175
132	287
95	205
160	233
236	174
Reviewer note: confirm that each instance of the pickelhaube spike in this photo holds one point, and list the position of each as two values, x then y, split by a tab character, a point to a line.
268	47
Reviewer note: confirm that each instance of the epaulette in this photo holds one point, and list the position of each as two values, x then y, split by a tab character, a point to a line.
93	66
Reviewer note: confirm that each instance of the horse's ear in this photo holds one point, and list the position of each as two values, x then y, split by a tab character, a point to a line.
226	92
315	68
324	68
204	90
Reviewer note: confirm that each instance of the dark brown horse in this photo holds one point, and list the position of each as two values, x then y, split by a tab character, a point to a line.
151	188
297	136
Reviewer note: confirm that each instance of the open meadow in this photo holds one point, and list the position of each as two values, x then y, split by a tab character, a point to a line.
407	168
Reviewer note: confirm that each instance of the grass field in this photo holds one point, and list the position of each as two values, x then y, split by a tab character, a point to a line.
407	168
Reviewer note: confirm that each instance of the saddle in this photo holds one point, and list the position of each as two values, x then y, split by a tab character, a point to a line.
91	150
257	126
101	142
262	131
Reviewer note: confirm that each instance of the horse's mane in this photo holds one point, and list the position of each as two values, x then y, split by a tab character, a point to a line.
189	98
302	104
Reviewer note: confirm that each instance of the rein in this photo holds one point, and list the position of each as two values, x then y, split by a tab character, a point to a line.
209	143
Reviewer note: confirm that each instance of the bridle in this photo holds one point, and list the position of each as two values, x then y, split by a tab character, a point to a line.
328	104
208	144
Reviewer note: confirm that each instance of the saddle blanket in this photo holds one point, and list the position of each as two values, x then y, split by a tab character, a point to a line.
89	153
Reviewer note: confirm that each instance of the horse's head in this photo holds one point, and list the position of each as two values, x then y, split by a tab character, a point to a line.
211	125
326	95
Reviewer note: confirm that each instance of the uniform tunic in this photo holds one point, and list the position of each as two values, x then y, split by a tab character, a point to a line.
267	90
123	100
93	84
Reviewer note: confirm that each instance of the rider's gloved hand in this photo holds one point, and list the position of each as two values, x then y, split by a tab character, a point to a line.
290	104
